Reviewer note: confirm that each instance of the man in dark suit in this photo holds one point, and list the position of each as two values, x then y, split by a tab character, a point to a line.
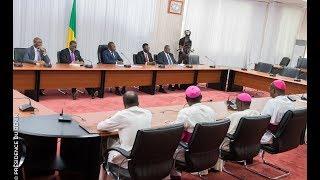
144	55
166	58
111	56
72	55
36	53
185	44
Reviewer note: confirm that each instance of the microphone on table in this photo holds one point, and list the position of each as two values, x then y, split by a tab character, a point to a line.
26	107
17	63
63	118
214	63
245	68
47	65
126	65
88	65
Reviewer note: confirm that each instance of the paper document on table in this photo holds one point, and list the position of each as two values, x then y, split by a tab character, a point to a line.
74	64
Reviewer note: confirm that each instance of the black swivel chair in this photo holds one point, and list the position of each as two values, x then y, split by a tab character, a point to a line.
22	149
287	137
289	72
58	57
202	152
264	67
18	54
151	156
303	75
302	63
101	48
134	57
245	142
284	62
155	57
194	59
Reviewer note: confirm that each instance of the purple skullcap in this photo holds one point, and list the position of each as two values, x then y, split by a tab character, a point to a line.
244	97
279	84
193	92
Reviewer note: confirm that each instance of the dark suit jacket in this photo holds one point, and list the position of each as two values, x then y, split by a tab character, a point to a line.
141	59
29	56
66	58
162	58
108	58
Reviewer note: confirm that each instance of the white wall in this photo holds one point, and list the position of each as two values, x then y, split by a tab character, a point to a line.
128	23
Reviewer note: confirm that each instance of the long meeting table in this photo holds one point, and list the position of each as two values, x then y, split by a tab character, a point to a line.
31	77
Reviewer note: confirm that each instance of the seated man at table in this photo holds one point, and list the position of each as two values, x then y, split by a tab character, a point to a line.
144	56
72	55
36	53
166	58
111	56
276	108
190	116
127	122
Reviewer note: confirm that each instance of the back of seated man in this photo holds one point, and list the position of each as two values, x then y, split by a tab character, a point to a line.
276	108
111	56
166	57
127	122
72	55
190	116
243	102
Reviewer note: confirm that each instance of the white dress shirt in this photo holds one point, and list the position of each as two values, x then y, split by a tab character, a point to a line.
127	122
37	55
235	118
276	108
194	114
168	58
146	56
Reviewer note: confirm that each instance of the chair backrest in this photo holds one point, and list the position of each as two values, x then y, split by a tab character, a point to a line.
18	53
204	145
290	128
101	48
285	61
134	58
155	57
194	59
303	75
247	136
58	56
289	72
264	67
152	152
302	63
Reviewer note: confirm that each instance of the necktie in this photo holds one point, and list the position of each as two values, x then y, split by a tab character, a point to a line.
169	59
113	55
72	57
38	55
147	58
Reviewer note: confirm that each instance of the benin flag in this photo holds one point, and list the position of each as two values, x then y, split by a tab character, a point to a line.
71	34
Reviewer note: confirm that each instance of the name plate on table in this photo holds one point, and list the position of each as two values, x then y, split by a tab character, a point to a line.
75	64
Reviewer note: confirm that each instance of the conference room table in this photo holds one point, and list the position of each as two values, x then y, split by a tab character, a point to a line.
86	123
34	77
261	81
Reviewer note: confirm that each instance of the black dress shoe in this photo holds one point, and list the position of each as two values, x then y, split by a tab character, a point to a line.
171	88
162	90
177	87
41	93
95	94
74	95
123	90
117	92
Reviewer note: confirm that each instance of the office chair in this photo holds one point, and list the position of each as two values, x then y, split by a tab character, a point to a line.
18	54
245	142
302	63
202	152
151	156
194	59
155	57
284	62
289	72
264	67
287	137
303	75
22	149
134	57
101	48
